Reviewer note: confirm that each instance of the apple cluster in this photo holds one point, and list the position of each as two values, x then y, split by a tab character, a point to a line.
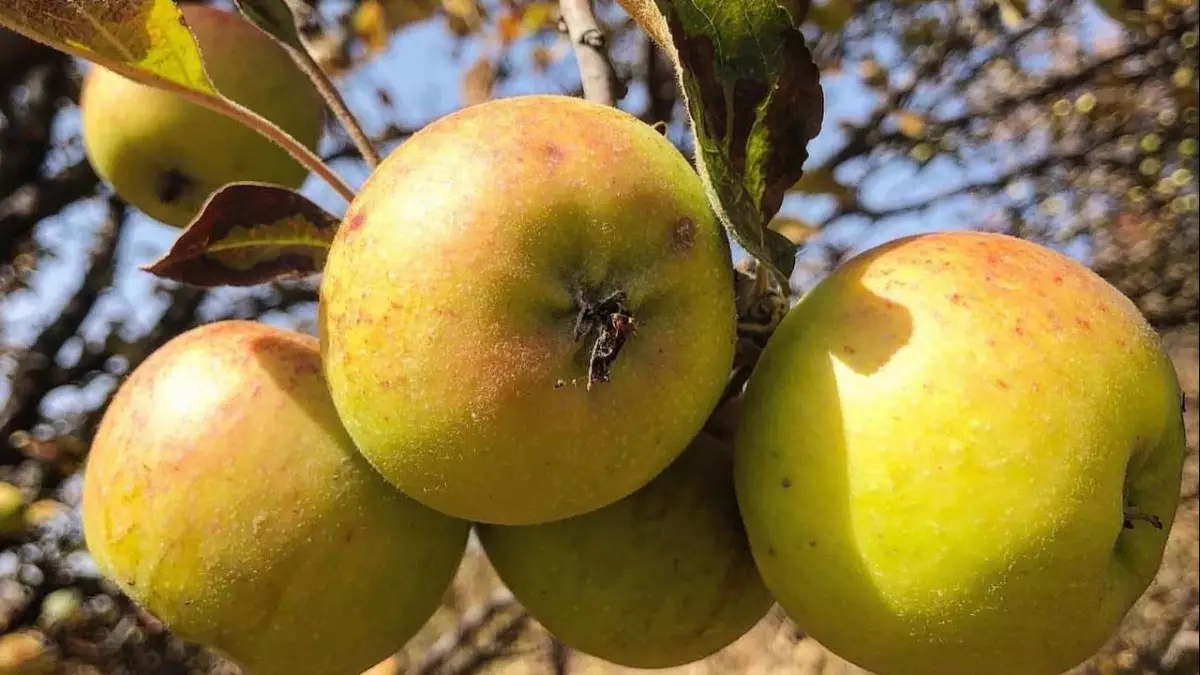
951	447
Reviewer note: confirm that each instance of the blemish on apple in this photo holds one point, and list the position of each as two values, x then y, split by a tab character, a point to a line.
174	185
356	221
683	235
554	153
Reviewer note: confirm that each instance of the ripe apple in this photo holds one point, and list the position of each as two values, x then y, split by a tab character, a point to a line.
659	579
223	496
528	311
961	452
166	155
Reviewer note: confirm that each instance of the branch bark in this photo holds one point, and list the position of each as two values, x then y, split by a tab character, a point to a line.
600	83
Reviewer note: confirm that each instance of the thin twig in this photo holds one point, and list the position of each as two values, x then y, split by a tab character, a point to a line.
390	134
600	83
499	607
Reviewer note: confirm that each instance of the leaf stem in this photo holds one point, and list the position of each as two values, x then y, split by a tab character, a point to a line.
337	103
268	129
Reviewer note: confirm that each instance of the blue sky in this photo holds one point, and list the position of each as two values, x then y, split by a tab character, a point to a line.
421	70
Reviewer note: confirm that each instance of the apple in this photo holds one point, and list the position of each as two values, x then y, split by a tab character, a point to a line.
223	496
528	311
661	578
960	452
166	155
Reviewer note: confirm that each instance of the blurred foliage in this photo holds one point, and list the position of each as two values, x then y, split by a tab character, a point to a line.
1047	120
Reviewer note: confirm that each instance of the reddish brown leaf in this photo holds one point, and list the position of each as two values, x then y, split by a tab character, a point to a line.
248	234
479	82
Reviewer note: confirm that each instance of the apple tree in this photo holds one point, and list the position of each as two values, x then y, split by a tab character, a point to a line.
818	130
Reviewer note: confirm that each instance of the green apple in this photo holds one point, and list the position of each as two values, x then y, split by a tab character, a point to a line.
528	311
658	579
961	452
166	155
222	495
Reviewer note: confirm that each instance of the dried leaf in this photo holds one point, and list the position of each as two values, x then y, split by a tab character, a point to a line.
478	81
797	231
910	124
821	180
374	21
872	73
248	234
539	16
523	22
755	101
1013	13
465	16
544	57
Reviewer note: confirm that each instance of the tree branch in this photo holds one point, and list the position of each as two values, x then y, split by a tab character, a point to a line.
501	614
29	204
600	83
32	379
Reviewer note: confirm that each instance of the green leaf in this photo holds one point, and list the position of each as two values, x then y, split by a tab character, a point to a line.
755	101
147	41
273	17
248	234
1013	13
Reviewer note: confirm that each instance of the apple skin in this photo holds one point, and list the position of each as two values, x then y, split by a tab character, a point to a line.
224	497
935	452
661	578
448	308
166	155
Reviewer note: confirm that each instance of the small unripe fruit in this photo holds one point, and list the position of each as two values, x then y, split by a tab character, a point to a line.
166	155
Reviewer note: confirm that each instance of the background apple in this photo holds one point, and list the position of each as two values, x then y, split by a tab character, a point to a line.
528	312
661	578
221	492
955	446
166	155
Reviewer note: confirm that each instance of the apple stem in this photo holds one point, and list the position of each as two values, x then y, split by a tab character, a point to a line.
1133	514
612	324
762	303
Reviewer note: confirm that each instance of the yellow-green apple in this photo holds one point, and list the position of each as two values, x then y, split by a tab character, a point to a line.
961	452
661	578
166	155
222	494
528	311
